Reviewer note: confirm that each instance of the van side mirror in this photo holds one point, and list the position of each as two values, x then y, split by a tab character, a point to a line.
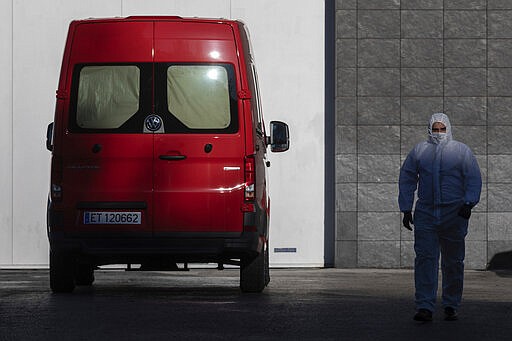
279	137
49	137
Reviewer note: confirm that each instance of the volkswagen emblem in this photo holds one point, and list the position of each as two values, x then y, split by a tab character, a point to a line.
153	122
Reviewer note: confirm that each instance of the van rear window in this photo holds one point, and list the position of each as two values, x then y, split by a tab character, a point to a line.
119	98
107	96
198	96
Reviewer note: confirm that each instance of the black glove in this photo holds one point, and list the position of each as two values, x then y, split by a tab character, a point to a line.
407	220
465	211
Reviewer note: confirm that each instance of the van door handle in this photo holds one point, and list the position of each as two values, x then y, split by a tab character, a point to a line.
172	157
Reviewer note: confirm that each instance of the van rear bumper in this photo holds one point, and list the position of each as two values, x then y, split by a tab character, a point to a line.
135	247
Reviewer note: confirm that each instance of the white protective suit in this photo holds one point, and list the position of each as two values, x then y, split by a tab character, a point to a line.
446	176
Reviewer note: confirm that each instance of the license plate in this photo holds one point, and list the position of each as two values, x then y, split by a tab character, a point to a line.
115	218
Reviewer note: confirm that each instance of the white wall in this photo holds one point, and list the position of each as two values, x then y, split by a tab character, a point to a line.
288	43
6	133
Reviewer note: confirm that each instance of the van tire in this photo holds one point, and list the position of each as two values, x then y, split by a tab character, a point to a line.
62	277
84	274
254	272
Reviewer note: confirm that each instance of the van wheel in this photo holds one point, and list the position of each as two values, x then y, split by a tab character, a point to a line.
61	272
254	272
84	274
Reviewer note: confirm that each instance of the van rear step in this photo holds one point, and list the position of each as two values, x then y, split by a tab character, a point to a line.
158	265
161	265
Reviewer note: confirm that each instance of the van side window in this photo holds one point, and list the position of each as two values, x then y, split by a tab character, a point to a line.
107	96
198	96
259	124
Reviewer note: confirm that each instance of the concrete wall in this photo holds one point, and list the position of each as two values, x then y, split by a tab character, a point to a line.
397	63
290	61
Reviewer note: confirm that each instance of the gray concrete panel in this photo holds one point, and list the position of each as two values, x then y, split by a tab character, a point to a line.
421	4
346	4
346	82
378	24
346	199
500	53
378	110
378	53
378	140
466	110
482	163
499	4
378	254
500	24
465	24
378	4
465	4
499	198
346	254
346	53
377	197
422	82
412	135
346	226
465	53
498	112
465	82
378	82
499	141
346	168
475	137
407	254
422	52
346	140
476	255
378	226
422	24
499	168
499	226
477	230
498	246
346	111
378	168
346	24
417	110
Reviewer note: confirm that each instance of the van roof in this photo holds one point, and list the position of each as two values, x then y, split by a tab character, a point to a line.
178	39
159	18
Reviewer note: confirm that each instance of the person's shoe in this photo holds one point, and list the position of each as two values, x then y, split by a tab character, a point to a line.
423	315
450	314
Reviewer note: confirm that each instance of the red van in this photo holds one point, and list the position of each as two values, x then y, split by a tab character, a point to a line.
159	150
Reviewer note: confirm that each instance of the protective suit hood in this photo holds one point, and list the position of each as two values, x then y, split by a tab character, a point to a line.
437	138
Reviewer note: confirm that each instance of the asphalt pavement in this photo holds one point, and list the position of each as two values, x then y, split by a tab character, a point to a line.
206	304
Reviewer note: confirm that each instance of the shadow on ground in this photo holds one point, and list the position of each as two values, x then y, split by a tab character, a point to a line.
299	304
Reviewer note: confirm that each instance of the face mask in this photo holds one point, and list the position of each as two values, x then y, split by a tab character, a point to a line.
439	137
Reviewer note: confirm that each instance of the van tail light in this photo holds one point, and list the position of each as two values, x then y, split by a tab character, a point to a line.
56	179
249	178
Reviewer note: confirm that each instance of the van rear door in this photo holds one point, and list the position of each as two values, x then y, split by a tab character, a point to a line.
199	155
107	159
